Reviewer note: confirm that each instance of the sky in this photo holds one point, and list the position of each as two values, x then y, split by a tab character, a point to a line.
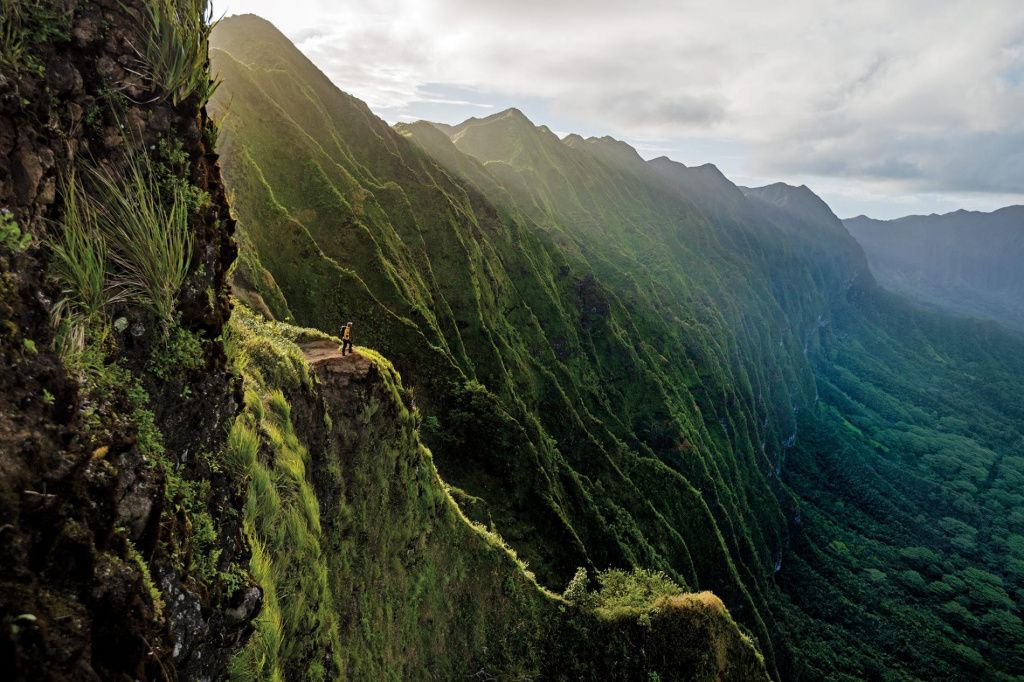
882	107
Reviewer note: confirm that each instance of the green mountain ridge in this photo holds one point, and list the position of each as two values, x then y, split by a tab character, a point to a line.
371	571
607	418
623	363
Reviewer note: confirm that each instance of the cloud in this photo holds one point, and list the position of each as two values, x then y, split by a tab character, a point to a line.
916	96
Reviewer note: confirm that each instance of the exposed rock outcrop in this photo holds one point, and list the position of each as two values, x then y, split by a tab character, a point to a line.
91	529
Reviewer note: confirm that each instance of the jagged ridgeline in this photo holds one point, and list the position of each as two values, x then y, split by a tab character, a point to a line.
605	388
624	363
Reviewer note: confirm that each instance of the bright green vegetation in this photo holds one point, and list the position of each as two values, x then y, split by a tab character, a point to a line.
370	570
11	236
626	364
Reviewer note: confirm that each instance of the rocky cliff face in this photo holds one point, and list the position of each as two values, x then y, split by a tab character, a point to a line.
111	498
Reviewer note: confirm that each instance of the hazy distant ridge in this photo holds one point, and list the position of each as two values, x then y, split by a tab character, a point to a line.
967	261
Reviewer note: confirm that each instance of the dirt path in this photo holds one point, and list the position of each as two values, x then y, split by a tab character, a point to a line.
322	351
326	359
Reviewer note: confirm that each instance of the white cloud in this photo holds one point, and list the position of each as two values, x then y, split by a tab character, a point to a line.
914	96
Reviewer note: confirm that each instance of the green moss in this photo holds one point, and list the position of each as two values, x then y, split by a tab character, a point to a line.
180	352
155	596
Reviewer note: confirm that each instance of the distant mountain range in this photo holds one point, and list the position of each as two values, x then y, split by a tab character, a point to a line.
966	261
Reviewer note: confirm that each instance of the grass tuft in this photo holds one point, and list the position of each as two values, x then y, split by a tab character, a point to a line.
174	48
243	446
148	235
79	265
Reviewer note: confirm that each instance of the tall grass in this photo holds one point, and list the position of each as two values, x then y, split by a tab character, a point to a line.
80	256
242	447
79	265
174	48
146	232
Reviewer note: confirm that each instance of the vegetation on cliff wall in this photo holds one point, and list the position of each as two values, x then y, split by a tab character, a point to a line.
123	556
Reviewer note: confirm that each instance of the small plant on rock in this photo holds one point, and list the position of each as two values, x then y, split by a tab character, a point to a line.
11	236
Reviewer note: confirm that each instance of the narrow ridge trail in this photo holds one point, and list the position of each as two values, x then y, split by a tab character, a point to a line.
325	357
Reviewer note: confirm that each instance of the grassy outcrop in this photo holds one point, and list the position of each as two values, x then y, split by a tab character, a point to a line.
370	569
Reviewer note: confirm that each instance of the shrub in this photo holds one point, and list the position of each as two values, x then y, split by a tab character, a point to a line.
638	588
576	591
181	351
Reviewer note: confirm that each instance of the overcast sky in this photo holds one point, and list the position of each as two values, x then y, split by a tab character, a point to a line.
883	107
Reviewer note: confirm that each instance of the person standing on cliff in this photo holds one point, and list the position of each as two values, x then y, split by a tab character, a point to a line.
346	339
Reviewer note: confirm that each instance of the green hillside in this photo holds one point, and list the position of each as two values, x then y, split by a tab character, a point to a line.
371	571
627	364
555	399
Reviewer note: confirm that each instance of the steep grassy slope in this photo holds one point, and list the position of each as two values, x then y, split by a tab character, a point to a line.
894	359
616	359
882	493
558	406
966	261
372	572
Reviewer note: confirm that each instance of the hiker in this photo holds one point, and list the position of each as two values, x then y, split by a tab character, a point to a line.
346	339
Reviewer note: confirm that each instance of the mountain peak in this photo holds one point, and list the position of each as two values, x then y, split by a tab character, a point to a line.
797	198
514	112
704	185
664	161
608	146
